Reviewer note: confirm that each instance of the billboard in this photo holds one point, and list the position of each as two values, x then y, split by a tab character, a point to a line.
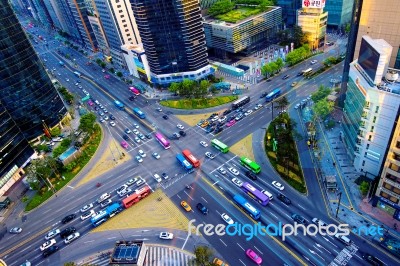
313	3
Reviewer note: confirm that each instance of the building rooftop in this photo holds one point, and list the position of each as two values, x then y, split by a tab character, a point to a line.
126	252
237	16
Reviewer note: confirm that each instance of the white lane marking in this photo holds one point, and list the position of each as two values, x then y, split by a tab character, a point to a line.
223	242
204	199
240	246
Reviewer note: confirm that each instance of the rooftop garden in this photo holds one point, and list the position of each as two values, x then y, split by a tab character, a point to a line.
236	10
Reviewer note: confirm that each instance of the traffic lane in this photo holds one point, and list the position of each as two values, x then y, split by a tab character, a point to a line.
234	246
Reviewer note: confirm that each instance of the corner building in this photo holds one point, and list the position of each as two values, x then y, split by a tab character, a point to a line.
173	39
27	97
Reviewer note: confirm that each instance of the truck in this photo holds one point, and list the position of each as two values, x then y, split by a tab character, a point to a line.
119	104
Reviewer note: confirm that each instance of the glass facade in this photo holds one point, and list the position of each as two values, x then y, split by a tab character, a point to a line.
207	3
339	12
172	35
289	11
397	62
26	91
246	36
352	112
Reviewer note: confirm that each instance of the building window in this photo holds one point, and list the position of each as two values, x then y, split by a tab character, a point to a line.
118	6
374	120
363	163
397	63
120	11
367	146
369	137
372	129
122	16
377	109
123	21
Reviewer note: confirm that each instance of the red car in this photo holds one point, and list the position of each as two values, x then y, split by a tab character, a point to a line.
231	123
124	144
253	256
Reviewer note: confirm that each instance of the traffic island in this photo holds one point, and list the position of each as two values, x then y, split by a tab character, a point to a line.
198	103
282	152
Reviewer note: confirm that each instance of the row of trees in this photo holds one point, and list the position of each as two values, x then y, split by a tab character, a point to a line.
322	107
272	68
190	88
298	55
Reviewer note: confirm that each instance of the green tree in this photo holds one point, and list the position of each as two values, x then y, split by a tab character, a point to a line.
322	108
40	171
364	187
347	28
187	88
297	36
203	256
112	70
86	122
279	63
119	74
274	67
221	7
55	131
282	103
175	87
320	94
71	263
266	70
203	88
103	65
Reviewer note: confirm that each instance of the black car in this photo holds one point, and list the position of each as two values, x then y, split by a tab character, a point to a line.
125	137
112	117
165	117
176	135
67	231
182	133
227	111
210	129
284	199
68	218
218	129
164	175
202	208
263	95
298	218
148	136
132	98
372	260
50	251
300	74
251	175
285	77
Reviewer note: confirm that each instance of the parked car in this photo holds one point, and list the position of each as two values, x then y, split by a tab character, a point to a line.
156	155
233	171
186	206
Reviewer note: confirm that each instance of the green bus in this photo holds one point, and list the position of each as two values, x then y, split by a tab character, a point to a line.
249	164
219	145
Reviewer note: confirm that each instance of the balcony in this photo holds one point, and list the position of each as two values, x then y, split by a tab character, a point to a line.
391	193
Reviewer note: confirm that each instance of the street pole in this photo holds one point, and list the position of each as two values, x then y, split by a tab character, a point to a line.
340	197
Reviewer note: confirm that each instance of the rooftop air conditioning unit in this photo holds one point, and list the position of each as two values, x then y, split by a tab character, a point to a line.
392	75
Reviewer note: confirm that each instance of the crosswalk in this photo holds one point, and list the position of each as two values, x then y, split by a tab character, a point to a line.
156	256
249	79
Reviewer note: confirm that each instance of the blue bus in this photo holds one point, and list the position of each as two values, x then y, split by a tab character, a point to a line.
138	113
99	218
272	95
114	209
247	207
185	164
119	104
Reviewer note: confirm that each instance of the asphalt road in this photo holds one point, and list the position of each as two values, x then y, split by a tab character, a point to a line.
318	250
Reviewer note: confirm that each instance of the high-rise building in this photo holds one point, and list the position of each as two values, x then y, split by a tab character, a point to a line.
119	26
339	13
28	99
40	13
66	19
173	39
289	11
313	21
80	13
52	9
371	107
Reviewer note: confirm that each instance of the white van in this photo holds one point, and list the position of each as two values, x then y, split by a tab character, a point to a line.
157	178
266	193
343	239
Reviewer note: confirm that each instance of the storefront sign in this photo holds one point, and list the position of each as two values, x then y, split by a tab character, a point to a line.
313	3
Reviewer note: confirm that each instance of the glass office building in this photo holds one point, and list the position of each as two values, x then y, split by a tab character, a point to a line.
339	13
173	39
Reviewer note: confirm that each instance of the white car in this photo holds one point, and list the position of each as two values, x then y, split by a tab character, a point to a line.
15	230
227	219
112	123
67	79
203	143
222	170
131	181
156	155
124	192
87	207
47	244
139	159
157	178
105	111
135	131
210	155
249	112
71	238
166	235
103	197
88	214
141	153
105	118
278	185
237	182
52	234
102	120
135	125
122	188
215	118
105	203
137	140
222	119
233	170
180	126
128	131
313	62
77	84
297	106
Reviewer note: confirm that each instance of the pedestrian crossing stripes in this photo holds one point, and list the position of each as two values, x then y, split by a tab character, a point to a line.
249	79
155	256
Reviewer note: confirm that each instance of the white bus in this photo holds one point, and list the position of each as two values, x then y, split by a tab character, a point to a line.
78	74
307	72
